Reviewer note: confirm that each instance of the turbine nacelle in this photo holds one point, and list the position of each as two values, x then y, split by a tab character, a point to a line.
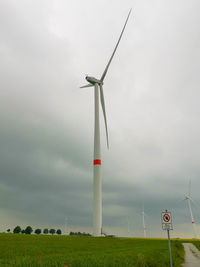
93	80
188	197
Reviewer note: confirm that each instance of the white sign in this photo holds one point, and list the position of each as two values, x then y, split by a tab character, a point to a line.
166	217
167	226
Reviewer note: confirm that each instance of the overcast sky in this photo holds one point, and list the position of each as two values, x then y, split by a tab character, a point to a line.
46	122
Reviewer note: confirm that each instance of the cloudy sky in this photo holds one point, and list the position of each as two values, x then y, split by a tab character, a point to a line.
46	122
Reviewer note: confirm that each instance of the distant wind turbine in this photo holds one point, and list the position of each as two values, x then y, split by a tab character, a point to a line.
97	187
189	200
143	222
66	225
128	226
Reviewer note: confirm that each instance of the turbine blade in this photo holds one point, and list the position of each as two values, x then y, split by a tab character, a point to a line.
106	69
192	201
87	85
104	112
189	189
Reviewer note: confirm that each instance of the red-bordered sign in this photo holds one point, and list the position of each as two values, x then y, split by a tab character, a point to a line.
166	217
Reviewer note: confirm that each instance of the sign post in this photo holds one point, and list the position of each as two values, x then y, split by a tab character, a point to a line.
167	225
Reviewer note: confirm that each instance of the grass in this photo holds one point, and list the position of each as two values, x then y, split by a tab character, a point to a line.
73	251
196	243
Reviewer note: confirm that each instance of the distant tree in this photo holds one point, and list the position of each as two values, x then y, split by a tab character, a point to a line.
8	230
38	231
58	232
45	231
28	230
17	230
79	234
23	231
52	231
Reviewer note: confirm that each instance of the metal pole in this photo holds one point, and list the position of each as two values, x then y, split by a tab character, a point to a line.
170	255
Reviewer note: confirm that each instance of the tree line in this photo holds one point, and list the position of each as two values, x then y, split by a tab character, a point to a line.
28	230
79	233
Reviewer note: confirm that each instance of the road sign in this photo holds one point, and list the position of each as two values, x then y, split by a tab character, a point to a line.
166	217
167	226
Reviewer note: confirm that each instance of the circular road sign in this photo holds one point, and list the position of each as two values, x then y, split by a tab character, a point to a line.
166	217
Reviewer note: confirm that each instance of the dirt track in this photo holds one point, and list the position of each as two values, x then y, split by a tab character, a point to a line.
192	256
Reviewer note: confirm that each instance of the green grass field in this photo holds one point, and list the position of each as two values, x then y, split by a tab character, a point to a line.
32	250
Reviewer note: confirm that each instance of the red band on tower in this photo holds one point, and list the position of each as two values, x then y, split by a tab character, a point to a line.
97	162
192	222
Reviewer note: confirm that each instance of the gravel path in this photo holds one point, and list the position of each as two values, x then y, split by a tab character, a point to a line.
192	256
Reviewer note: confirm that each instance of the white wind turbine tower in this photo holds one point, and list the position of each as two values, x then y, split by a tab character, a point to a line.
128	226
143	222
66	225
189	199
97	188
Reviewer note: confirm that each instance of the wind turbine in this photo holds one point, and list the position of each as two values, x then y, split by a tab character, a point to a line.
143	222
128	226
66	225
97	188
189	200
